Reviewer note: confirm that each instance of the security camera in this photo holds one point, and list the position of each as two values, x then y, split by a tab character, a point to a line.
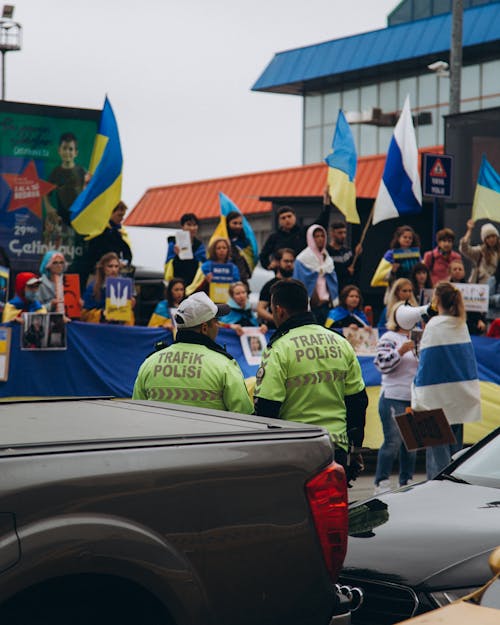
438	66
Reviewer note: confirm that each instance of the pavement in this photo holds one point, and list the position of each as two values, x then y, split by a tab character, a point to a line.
363	486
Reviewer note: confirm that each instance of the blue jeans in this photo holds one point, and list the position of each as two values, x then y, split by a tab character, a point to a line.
393	443
436	458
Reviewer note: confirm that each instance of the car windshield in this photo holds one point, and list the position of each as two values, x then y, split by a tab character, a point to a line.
483	467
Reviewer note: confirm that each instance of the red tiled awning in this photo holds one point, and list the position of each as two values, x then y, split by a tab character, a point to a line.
162	206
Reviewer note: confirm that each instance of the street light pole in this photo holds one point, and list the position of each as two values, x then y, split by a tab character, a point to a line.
10	37
456	55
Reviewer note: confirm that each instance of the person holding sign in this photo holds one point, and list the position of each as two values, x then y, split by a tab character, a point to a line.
179	265
447	373
217	273
94	298
397	362
476	321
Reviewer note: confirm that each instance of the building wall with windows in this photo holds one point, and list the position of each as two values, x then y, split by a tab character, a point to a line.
428	93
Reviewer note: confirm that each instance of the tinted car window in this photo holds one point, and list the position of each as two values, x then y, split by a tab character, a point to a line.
483	467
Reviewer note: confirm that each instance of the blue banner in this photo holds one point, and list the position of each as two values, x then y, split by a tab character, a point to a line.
103	360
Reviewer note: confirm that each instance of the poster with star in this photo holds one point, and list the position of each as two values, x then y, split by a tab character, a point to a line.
44	156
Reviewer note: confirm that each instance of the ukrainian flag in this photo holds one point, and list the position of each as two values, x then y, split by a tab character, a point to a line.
486	204
250	251
91	210
342	170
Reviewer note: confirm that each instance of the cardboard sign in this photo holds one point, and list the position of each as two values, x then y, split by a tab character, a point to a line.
363	340
475	296
118	299
4	286
5	336
424	428
401	253
222	277
72	295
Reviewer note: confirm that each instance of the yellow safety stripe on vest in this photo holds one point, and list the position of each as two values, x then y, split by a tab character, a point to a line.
339	438
315	378
184	394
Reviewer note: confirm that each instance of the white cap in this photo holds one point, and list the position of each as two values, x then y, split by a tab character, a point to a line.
33	281
197	309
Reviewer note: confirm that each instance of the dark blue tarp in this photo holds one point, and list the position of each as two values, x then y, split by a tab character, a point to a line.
102	360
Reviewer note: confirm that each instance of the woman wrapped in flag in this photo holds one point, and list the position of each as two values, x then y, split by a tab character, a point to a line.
447	372
315	268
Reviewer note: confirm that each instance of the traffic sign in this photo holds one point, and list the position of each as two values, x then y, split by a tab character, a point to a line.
437	175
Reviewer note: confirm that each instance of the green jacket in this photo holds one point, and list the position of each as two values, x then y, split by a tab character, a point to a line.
194	371
307	371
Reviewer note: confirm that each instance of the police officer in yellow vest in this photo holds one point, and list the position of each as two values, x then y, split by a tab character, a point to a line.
194	370
311	374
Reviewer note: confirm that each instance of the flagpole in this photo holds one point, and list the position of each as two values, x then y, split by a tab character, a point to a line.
362	238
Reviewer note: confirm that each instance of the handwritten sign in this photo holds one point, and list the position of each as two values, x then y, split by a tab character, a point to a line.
72	295
363	340
424	428
475	296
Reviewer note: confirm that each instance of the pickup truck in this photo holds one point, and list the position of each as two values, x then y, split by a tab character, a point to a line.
121	511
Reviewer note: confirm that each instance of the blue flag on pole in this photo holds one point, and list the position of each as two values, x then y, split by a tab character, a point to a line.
400	193
342	170
91	210
486	204
249	246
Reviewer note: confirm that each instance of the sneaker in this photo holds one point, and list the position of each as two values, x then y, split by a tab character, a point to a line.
382	487
408	483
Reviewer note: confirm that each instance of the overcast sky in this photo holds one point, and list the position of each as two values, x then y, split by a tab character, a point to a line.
178	75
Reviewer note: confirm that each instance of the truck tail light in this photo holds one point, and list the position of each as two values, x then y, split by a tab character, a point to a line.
327	495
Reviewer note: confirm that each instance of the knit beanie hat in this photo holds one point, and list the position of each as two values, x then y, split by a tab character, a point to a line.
487	230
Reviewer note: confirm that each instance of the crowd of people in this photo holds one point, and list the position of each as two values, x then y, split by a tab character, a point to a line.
210	289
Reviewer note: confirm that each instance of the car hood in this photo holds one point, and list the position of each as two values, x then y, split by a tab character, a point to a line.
437	534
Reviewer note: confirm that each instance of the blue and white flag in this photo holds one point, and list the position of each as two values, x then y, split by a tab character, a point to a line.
447	371
486	204
400	193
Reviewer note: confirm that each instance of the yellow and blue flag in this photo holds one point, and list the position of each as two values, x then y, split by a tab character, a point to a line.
342	163
247	243
91	210
486	204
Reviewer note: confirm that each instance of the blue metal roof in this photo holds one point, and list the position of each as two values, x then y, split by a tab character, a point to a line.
294	71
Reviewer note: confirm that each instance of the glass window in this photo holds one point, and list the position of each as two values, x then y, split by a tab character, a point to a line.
442	6
369	97
470	82
427	90
422	8
328	131
408	86
312	112
387	97
384	138
427	135
350	100
368	140
312	145
331	105
490	83
443	110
